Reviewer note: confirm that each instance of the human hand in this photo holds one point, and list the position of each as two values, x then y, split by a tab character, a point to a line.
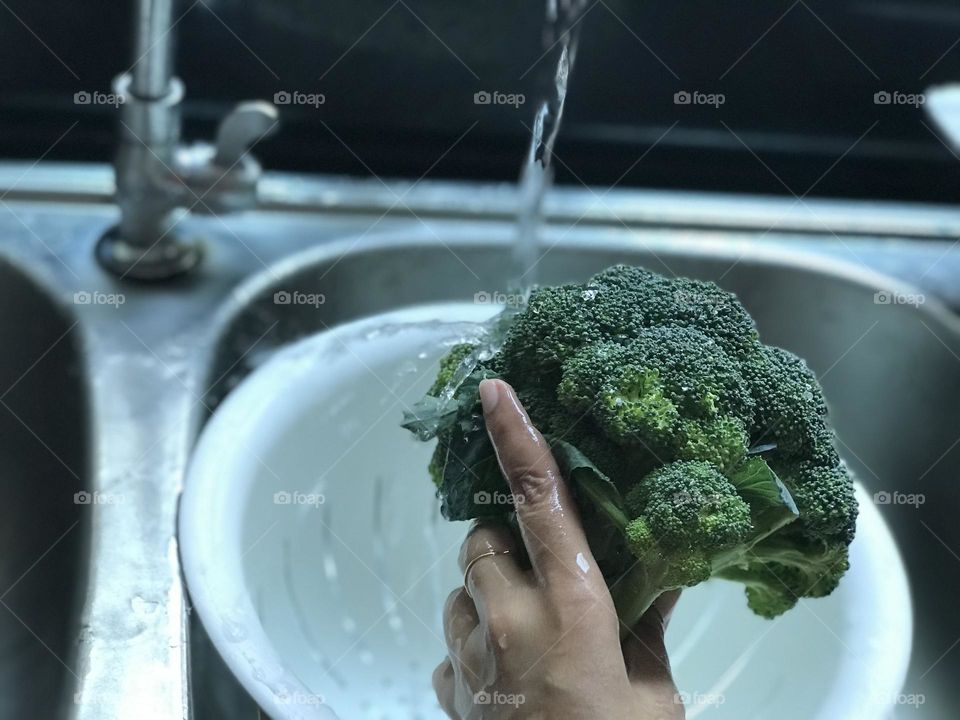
543	641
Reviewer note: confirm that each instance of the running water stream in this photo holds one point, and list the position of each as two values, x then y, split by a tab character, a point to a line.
560	39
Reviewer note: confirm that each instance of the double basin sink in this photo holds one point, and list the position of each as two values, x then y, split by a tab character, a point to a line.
105	385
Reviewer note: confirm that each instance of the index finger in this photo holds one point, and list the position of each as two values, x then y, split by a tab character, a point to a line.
548	518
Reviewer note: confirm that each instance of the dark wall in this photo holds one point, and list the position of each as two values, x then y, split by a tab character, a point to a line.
398	77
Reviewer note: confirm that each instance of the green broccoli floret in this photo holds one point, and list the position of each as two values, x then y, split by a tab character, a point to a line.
686	506
670	393
656	395
683	516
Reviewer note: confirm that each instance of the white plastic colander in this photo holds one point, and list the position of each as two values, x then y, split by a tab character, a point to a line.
316	558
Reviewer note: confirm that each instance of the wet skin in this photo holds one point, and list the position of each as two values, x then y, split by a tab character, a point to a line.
534	633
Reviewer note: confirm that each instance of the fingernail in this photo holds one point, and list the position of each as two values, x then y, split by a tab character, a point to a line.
489	395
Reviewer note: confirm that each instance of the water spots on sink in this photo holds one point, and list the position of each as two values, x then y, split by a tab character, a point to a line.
279	688
146	365
144	608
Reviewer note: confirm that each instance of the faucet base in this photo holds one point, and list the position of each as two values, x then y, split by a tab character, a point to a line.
160	261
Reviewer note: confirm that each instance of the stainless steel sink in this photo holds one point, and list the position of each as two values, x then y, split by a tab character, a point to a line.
44	514
157	364
891	372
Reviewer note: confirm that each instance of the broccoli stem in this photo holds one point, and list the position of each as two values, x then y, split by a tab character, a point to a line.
634	592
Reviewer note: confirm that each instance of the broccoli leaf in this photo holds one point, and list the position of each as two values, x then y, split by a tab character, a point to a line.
589	482
771	505
432	416
601	507
472	486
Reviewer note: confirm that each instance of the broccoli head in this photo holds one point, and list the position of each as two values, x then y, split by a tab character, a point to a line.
693	449
683	517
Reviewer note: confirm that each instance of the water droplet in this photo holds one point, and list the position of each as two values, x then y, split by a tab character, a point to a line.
234	631
143	607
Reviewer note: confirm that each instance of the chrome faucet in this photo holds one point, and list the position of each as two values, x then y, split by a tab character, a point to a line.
158	179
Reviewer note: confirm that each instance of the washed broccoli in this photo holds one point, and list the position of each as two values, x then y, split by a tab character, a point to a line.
693	449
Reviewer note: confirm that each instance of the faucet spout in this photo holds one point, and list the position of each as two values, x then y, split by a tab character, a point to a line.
159	180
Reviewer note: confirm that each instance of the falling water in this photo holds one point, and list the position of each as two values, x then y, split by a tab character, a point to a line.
560	39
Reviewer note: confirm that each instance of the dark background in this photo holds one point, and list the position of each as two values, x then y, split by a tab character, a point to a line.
399	79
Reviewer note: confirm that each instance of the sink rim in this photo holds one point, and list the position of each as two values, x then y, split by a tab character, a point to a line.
502	234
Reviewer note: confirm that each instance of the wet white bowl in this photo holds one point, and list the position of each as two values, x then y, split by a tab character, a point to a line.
315	557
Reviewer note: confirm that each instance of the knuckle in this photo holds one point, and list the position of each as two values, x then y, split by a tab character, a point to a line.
476	542
499	624
466	550
570	604
572	607
472	545
534	487
484	537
